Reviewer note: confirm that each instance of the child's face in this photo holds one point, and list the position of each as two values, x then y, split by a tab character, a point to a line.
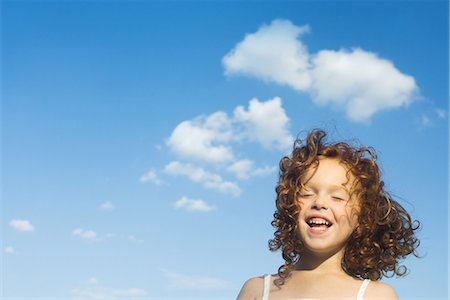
327	215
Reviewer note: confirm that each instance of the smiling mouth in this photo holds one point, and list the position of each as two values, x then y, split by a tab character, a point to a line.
318	223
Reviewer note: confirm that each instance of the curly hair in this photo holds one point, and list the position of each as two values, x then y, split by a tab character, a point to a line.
385	232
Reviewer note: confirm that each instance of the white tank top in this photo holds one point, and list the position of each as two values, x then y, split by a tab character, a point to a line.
359	296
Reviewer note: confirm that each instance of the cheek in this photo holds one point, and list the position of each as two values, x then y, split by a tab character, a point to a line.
301	204
352	217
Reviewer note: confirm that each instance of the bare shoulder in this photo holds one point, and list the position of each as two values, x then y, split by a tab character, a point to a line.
252	289
380	290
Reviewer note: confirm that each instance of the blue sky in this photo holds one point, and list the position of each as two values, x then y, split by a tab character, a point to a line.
140	140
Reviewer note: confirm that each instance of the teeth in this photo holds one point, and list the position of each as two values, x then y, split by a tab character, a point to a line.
318	221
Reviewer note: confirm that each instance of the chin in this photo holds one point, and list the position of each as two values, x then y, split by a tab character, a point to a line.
322	250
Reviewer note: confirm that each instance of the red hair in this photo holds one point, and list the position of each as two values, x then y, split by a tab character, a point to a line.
385	233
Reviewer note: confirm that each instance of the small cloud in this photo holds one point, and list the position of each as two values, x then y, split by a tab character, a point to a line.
266	122
441	113
425	120
93	281
207	179
107	236
264	171
273	53
191	282
243	169
84	234
193	205
151	177
9	250
158	147
22	225
107	206
133	239
203	138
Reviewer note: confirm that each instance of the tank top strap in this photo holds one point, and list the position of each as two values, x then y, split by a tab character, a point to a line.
266	287
362	289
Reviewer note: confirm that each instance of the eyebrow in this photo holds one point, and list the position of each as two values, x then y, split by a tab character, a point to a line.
341	187
333	188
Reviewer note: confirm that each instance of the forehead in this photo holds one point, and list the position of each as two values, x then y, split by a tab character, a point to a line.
329	171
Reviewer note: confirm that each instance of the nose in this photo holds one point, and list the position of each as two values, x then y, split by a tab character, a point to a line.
320	202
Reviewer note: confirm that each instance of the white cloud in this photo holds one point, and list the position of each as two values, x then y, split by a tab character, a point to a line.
107	205
207	179
100	293
90	235
430	117
181	281
152	177
22	225
193	205
273	53
208	138
266	122
203	138
93	280
425	120
441	113
9	250
264	171
134	239
243	169
358	81
84	234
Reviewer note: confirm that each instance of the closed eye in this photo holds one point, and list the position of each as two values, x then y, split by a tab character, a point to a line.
306	195
338	198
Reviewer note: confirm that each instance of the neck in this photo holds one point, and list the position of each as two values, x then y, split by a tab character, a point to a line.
327	263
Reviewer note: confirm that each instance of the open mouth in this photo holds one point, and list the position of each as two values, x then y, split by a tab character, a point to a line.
318	223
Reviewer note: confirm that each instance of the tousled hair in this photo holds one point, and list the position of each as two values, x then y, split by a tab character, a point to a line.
385	233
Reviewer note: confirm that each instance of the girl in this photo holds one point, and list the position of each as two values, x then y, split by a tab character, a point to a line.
338	229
